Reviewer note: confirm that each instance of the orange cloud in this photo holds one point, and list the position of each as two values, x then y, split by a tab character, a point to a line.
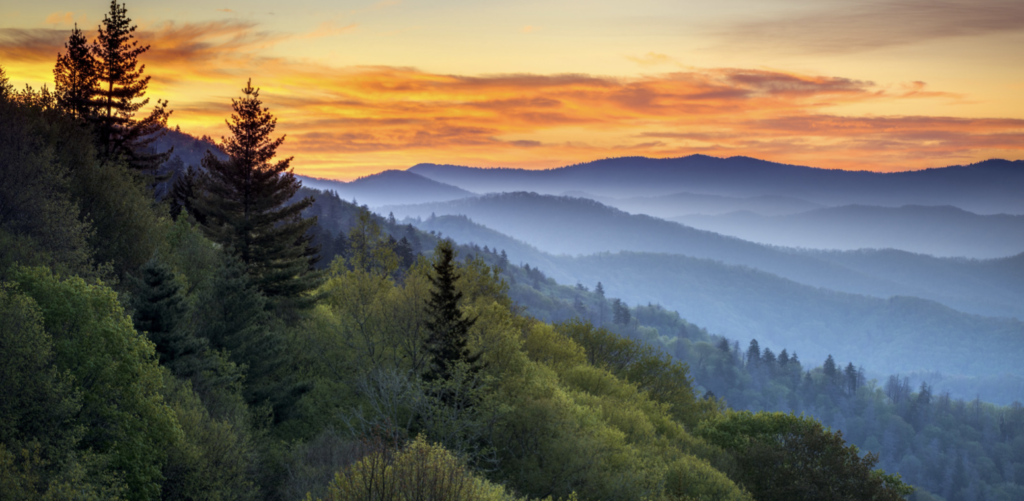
352	121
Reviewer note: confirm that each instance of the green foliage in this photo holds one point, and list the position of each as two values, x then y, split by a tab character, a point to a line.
216	458
419	471
784	457
114	368
39	220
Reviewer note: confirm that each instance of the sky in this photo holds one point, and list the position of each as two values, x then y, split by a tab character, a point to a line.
364	86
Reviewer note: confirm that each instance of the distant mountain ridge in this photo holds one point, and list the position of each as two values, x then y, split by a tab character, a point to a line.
575	226
943	231
989	187
389	187
891	334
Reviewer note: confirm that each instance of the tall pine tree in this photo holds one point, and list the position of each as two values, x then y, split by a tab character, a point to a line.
118	94
448	329
75	76
244	205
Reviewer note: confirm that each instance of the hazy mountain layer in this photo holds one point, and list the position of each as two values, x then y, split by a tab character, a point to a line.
389	187
898	334
563	225
989	187
939	231
681	204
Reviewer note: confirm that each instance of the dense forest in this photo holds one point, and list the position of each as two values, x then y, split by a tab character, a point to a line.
216	331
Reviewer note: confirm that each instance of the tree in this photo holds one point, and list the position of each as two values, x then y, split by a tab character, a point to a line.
753	353
6	89
830	370
75	78
448	329
118	95
788	458
245	204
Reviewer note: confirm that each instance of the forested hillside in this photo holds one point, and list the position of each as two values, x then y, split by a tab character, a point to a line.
216	343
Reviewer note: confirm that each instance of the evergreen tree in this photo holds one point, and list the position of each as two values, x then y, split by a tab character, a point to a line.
599	289
119	95
753	353
159	307
852	381
829	368
231	313
75	80
245	203
447	328
6	89
183	194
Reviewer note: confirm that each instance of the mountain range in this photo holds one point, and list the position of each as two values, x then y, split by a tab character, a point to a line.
938	230
989	187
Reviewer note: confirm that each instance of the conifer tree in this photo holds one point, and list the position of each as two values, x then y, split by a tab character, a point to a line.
119	91
245	206
75	79
5	84
829	368
447	328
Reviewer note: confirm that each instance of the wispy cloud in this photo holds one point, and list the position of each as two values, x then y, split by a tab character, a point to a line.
855	26
351	121
651	59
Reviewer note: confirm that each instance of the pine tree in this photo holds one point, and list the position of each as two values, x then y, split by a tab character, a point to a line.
119	95
75	80
753	353
831	373
245	203
448	330
6	89
231	313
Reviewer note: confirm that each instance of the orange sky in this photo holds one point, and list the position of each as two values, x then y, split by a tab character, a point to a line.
359	88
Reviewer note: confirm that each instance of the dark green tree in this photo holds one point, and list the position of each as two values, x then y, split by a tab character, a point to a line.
231	313
245	205
119	95
75	79
447	327
159	307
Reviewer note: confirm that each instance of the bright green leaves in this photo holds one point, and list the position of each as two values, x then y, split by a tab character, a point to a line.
115	370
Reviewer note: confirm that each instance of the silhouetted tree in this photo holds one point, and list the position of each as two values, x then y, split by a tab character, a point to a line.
120	87
245	203
75	79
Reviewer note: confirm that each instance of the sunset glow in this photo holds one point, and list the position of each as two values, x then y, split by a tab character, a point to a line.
368	87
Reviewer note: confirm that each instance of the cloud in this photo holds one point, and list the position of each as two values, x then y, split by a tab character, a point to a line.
651	59
837	27
351	121
61	18
224	10
329	28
